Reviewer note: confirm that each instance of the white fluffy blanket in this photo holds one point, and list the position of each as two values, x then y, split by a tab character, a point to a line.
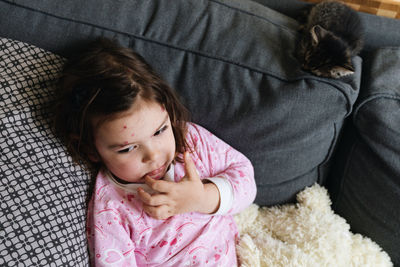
304	234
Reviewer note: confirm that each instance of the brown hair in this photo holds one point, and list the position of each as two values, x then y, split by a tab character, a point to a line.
101	81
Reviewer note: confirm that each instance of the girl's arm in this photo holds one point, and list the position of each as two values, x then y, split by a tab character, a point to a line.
108	236
226	167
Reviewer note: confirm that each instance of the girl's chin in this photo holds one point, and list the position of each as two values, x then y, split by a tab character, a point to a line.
157	177
142	180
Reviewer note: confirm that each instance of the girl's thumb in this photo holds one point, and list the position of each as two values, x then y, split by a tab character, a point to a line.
190	168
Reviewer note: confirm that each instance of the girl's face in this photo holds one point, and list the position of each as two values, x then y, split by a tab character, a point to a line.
137	143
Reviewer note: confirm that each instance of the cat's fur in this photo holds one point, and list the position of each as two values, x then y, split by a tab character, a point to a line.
331	35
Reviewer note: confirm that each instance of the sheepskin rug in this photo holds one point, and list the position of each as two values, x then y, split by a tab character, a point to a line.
304	234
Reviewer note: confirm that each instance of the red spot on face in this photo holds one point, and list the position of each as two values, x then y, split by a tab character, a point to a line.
125	142
132	134
124	126
163	243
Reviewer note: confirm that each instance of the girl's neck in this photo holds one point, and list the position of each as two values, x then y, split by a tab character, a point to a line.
120	180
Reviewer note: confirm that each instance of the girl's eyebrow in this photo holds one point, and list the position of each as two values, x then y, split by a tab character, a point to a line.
126	143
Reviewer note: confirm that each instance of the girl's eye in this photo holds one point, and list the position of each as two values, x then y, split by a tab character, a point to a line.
161	130
126	150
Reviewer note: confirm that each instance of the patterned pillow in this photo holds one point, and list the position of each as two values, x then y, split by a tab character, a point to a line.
43	195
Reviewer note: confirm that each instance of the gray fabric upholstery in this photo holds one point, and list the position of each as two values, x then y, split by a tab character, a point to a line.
369	195
232	62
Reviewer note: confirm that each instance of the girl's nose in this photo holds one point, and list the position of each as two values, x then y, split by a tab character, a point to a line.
150	154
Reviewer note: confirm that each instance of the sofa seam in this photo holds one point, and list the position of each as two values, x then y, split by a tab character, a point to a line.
329	152
252	14
370	98
343	178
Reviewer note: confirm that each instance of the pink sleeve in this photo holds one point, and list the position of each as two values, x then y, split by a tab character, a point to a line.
107	232
229	169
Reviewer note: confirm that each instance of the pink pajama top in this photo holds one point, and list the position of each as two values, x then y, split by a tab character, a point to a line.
120	233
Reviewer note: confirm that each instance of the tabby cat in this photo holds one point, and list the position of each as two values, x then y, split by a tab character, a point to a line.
330	36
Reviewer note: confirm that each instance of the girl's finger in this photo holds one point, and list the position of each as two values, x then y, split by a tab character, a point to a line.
190	168
159	212
157	185
152	200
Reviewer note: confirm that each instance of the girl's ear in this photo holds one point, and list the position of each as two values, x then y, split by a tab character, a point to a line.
94	157
91	153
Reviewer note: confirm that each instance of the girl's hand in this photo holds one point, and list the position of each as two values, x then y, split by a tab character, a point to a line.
188	195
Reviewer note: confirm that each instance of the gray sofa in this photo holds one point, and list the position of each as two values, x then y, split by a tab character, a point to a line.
232	63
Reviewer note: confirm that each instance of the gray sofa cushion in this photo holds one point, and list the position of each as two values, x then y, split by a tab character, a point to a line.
42	216
379	31
231	61
369	196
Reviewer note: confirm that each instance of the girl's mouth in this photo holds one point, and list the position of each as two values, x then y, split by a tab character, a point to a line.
157	173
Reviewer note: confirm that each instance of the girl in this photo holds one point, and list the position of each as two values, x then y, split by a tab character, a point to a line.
166	189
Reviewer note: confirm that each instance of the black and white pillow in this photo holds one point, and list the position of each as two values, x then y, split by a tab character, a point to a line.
43	194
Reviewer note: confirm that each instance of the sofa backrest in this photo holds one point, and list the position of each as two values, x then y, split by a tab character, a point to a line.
231	61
